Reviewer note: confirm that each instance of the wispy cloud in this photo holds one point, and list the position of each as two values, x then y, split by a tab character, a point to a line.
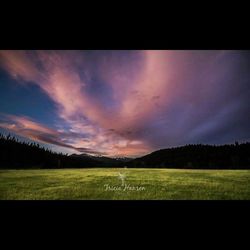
55	73
131	102
26	127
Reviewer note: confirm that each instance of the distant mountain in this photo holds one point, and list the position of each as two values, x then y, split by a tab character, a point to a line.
124	159
102	160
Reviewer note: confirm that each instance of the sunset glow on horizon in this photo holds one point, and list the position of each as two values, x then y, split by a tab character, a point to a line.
125	103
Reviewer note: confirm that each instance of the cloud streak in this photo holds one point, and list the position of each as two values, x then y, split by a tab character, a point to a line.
26	127
132	102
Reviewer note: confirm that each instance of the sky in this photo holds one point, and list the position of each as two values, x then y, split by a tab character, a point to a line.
125	103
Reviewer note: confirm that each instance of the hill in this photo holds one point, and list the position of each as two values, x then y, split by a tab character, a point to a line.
235	156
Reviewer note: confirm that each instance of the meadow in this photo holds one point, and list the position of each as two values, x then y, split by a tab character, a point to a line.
124	184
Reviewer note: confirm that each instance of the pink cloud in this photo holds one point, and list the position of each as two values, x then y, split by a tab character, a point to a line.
138	96
28	128
62	83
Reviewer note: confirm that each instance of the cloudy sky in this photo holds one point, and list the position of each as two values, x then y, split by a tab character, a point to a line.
125	103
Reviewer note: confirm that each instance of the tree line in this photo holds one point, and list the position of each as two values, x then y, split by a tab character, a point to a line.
233	156
15	154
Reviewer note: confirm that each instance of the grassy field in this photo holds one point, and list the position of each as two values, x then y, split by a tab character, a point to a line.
122	184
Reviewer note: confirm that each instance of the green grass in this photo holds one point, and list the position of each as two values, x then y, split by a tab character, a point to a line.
153	184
